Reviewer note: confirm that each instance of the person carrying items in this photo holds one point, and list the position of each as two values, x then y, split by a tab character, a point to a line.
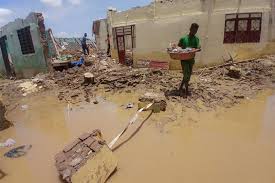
188	41
84	45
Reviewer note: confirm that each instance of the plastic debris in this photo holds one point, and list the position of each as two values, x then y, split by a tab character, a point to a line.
24	107
78	62
130	106
18	151
8	143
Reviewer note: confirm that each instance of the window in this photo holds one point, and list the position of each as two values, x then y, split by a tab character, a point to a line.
25	39
243	28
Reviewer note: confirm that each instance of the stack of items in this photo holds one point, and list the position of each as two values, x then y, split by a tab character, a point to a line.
177	53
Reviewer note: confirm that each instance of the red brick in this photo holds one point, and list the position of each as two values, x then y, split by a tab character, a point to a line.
70	146
95	146
84	136
61	166
89	141
85	152
69	154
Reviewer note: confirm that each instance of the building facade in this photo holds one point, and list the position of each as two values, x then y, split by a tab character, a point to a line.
24	48
229	29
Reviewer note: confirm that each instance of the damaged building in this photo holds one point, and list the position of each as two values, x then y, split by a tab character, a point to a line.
100	30
229	29
24	47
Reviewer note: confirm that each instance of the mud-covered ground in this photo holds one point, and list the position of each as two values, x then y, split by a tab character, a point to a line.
42	116
4	123
210	87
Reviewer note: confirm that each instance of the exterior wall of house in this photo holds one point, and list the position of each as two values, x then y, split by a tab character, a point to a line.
25	65
163	22
102	36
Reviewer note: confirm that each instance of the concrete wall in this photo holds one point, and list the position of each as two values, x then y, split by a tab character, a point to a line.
25	65
101	38
163	22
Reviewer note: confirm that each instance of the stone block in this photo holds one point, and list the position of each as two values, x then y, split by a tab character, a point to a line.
98	169
158	100
71	146
84	136
88	160
89	141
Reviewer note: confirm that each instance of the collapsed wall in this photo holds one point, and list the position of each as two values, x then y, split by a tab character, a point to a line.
4	123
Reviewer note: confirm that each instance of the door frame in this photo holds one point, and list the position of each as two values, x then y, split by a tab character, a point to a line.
121	32
121	52
5	56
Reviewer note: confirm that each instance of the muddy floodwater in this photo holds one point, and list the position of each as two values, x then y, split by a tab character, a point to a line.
224	146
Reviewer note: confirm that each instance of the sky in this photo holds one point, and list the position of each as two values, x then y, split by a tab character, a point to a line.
67	18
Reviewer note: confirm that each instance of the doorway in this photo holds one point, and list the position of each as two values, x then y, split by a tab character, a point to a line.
5	55
125	40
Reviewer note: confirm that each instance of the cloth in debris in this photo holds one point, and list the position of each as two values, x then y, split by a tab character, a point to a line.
8	143
78	62
18	151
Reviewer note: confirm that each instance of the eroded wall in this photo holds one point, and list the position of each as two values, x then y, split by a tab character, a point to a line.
101	38
25	65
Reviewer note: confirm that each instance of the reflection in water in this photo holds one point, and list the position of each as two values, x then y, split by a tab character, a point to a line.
214	147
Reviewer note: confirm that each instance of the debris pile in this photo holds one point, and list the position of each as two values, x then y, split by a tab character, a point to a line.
234	72
210	87
89	149
158	100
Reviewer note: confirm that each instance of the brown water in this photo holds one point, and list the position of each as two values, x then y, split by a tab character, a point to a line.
233	145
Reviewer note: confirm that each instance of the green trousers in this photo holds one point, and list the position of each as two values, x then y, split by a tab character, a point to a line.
187	68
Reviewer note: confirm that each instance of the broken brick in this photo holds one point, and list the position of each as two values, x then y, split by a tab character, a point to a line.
89	141
70	146
79	153
60	157
85	152
95	146
61	166
75	161
84	136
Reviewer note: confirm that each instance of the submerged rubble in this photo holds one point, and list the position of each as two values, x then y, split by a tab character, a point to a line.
87	159
221	86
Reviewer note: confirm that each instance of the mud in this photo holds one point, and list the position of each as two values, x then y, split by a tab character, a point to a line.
211	88
227	145
222	133
4	123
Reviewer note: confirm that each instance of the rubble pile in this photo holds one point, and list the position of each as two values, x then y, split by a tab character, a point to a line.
226	86
210	87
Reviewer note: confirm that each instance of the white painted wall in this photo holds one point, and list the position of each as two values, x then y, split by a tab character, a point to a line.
158	24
